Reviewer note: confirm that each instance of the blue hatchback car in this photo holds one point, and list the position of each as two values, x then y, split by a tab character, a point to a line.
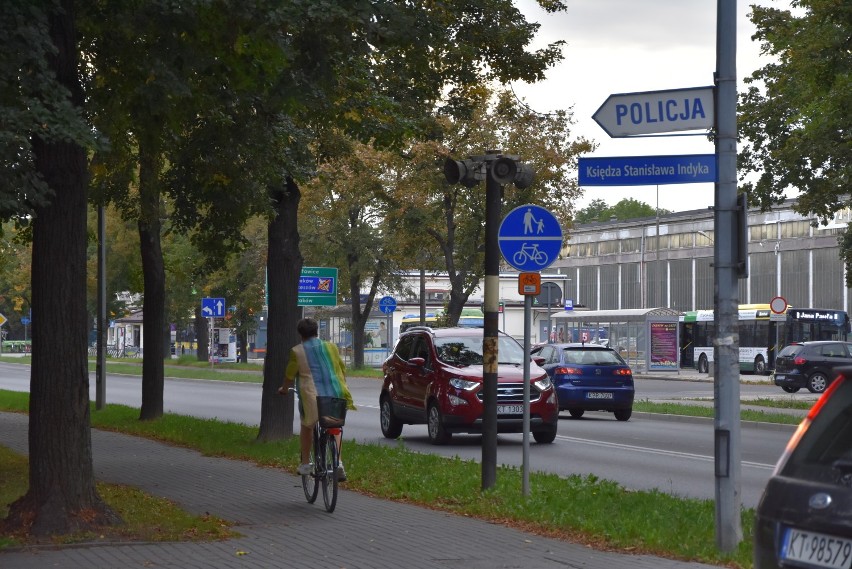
588	377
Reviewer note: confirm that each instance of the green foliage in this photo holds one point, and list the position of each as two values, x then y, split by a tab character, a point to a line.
796	115
33	103
627	208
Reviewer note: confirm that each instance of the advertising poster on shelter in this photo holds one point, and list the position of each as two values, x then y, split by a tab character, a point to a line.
663	346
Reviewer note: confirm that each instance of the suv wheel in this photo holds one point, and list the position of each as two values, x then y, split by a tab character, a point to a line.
547	436
623	414
391	426
437	434
576	413
789	389
817	382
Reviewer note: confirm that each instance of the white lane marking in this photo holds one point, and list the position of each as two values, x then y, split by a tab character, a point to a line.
658	451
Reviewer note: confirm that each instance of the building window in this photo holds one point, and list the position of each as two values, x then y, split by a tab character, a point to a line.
608	247
631	245
792	229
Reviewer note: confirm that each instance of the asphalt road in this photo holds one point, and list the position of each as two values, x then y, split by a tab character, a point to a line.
647	452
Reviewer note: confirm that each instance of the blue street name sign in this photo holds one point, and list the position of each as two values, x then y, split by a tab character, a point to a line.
212	307
647	170
387	304
530	238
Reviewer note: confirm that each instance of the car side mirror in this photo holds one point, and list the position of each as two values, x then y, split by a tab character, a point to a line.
538	360
419	362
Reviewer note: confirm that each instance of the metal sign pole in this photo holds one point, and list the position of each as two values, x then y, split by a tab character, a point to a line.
527	330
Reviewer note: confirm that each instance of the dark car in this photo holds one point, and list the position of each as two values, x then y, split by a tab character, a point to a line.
589	377
435	377
804	518
810	364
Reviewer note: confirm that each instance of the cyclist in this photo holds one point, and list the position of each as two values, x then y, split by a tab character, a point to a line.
318	371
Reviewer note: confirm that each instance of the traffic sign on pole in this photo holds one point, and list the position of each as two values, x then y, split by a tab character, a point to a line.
2	319
212	307
530	238
650	112
387	304
318	286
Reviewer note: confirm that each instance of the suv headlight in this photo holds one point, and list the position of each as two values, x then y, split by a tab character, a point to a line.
464	384
543	383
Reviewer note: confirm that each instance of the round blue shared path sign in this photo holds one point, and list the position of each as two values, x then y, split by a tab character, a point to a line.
387	304
530	238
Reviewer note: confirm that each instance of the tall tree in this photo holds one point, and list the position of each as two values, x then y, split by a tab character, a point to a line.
62	496
796	116
626	208
452	217
345	223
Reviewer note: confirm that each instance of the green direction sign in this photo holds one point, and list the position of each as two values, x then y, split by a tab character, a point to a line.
318	286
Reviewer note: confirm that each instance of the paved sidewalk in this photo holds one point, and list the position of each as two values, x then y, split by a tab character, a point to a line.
280	529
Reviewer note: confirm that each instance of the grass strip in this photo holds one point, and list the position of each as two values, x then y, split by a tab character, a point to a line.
708	411
581	508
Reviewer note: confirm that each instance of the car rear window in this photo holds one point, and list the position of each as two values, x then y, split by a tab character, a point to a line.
592	357
828	438
790	350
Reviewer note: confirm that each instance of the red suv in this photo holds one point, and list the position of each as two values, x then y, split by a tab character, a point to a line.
434	377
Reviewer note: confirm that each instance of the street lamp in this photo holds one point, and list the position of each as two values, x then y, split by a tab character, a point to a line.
497	170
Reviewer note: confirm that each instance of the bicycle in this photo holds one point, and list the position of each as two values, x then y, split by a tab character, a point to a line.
531	252
325	456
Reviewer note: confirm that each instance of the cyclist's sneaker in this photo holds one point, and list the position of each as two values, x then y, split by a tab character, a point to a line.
305	469
341	473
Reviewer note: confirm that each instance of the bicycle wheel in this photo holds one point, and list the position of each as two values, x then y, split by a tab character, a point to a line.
310	482
329	479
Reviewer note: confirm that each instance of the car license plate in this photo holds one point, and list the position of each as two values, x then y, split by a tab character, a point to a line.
598	395
780	377
510	409
816	549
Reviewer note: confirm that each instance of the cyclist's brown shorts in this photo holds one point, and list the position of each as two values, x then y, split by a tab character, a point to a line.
308	409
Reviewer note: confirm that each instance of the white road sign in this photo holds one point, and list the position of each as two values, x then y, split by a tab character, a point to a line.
651	112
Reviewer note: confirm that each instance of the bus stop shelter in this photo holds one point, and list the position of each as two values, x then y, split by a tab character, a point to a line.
647	338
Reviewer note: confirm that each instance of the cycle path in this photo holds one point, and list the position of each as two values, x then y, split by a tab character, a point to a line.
280	529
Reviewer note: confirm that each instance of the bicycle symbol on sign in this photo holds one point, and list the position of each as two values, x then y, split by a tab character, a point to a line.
530	252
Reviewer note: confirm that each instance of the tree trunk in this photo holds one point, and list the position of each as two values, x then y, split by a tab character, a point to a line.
358	322
202	335
62	496
242	336
154	279
284	267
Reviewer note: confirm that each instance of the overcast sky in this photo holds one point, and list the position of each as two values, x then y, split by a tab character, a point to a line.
627	46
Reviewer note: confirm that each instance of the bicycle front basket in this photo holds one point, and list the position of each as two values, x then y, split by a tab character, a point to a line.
332	411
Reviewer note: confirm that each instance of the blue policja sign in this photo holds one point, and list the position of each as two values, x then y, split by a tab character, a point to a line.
387	304
647	170
530	238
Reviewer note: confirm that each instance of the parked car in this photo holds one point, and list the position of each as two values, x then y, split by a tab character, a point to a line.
435	377
589	377
804	518
810	364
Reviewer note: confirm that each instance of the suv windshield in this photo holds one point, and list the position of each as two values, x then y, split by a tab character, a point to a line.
467	350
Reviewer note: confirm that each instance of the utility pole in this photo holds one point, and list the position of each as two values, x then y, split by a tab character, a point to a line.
100	366
727	267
